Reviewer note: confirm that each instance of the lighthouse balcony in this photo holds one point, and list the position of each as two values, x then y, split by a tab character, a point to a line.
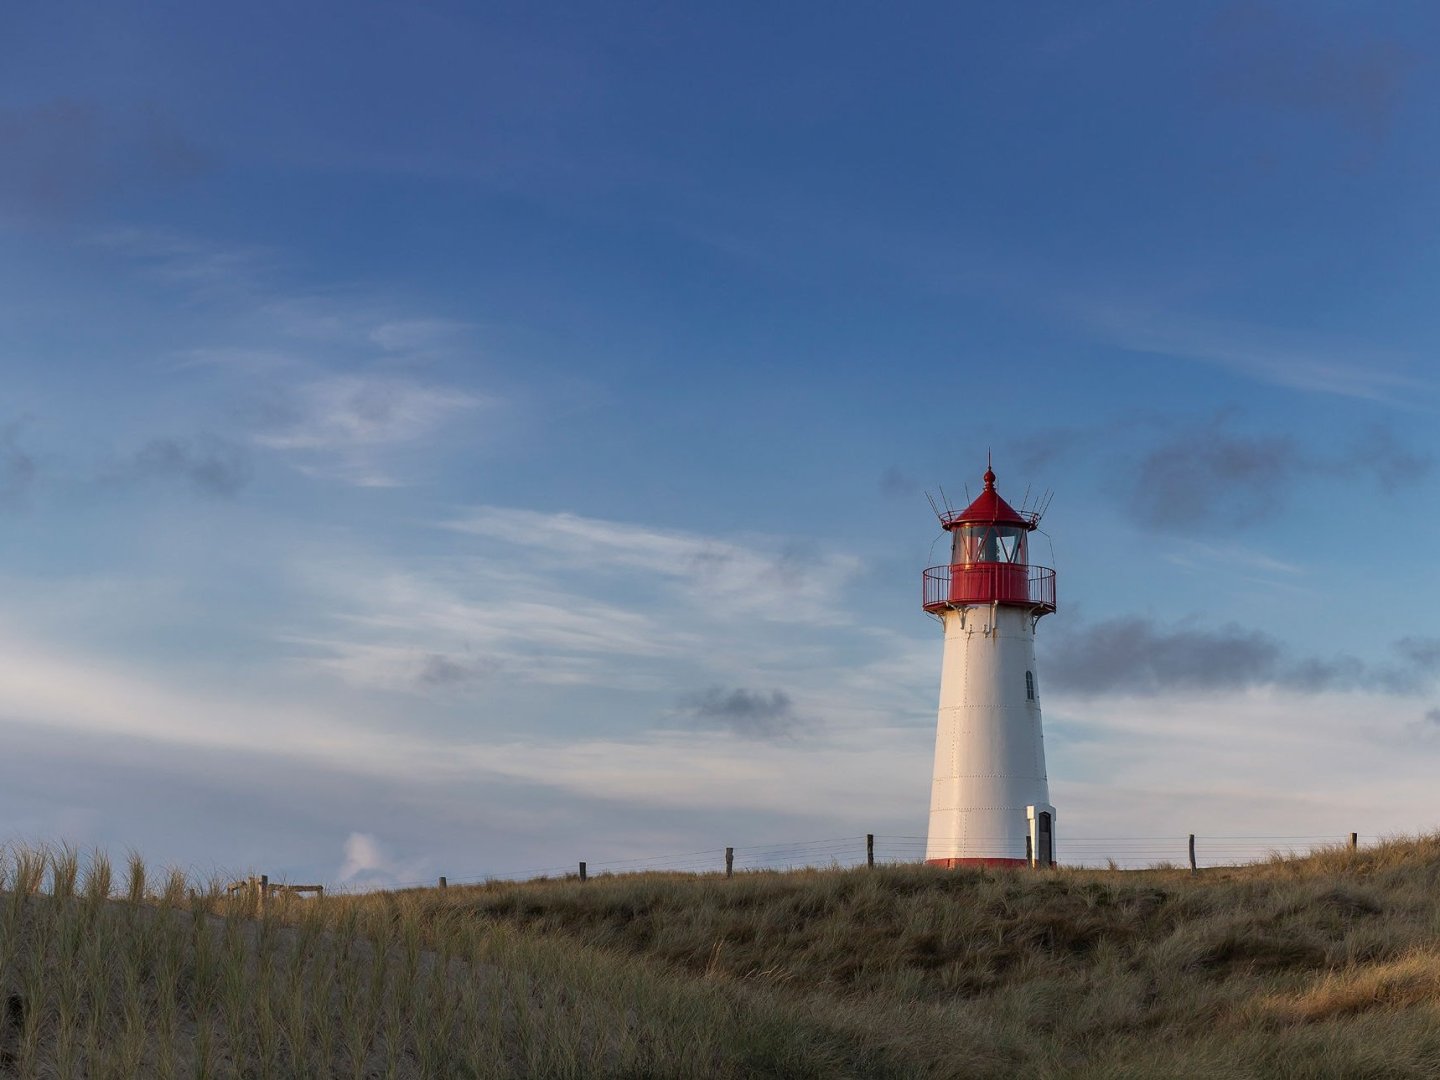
964	584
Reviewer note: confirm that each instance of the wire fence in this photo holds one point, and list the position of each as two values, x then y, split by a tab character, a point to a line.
1117	852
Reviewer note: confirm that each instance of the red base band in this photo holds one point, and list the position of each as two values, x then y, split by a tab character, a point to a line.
951	864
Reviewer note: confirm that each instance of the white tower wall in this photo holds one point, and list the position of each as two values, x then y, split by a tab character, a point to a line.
989	751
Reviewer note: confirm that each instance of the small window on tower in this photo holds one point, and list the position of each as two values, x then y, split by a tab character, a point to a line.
1029	686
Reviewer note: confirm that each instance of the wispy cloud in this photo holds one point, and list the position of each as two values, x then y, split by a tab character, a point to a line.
62	690
1361	371
754	576
713	770
422	336
189	263
1238	762
69	690
336	378
1196	554
349	411
562	600
343	427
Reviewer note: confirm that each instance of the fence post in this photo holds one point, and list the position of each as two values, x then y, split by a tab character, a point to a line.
264	890
1354	841
582	871
443	882
1192	853
870	850
729	862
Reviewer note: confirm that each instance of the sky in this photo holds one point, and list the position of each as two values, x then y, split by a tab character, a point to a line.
447	438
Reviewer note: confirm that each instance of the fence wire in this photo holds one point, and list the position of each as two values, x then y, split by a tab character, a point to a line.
1119	852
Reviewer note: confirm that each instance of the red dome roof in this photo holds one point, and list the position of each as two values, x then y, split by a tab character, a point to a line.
988	509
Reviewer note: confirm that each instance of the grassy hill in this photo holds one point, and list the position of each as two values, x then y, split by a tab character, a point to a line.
1327	966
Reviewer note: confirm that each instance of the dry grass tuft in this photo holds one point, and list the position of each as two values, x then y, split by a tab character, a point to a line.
1412	980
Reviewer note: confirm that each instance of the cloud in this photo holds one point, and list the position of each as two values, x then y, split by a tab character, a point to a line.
1190	476
559	603
440	670
60	155
895	483
351	427
1423	654
456	625
1361	371
1380	455
362	857
418	335
1200	475
352	411
1196	554
1133	656
1038	449
754	578
1432	716
1264	760
1279	60
1185	479
209	465
17	466
754	714
202	269
59	693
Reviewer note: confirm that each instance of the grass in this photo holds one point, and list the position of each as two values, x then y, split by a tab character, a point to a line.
1324	966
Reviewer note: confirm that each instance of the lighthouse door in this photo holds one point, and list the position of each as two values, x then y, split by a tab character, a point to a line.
1040	841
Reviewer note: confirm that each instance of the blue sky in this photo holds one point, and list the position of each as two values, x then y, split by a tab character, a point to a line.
452	438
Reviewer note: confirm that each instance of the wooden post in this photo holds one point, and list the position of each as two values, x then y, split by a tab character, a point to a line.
870	850
729	862
582	871
443	882
264	890
1354	841
1192	853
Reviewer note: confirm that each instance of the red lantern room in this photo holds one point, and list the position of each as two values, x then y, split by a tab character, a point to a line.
989	558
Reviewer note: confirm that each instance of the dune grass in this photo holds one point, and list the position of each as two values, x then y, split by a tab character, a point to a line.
1324	966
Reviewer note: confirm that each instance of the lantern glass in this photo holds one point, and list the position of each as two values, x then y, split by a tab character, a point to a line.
989	544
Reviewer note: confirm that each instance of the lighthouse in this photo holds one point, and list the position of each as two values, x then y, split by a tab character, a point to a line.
990	803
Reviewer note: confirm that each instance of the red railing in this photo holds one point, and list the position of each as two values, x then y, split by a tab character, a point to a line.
987	583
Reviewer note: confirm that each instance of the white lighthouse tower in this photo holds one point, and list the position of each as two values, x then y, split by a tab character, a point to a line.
990	804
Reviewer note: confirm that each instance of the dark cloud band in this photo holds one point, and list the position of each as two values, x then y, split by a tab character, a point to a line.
1134	655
